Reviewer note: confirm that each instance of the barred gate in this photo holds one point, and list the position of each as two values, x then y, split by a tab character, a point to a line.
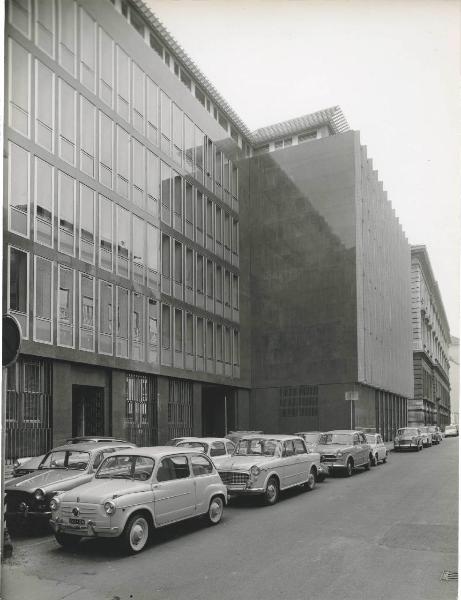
180	412
29	408
141	409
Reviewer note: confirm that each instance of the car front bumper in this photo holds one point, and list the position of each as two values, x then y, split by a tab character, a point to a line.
405	444
90	529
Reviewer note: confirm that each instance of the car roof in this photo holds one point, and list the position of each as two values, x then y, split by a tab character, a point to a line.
267	436
345	431
304	432
159	451
92	439
88	446
208	440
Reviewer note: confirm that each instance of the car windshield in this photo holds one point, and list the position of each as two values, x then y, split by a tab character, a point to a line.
202	445
336	438
258	447
407	431
173	442
126	467
66	459
371	439
310	437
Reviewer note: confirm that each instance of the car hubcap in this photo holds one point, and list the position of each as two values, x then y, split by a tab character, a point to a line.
138	534
311	481
216	509
271	492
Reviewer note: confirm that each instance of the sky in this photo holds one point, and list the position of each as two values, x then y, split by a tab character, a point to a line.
392	66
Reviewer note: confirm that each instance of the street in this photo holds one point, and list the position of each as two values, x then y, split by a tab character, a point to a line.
384	534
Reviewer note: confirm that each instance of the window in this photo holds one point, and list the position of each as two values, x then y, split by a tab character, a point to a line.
186	80
262	149
139	243
152	254
209	279
137	326
178	330
86	312
177	134
106	307
199	152
166	327
235	237
217	449
19	88
236	348
18	285
166	193
287	142
66	307
223	121
189	333
201	465
44	202
122	321
178	262
189	269
87	220
165	115
123	242
219	296
67	35
18	189
227	345
209	340
200	339
139	174
166	256
189	144
153	182
105	233
106	68
218	225
227	231
227	288
136	22
226	177
218	172
87	136
155	45
139	108
189	202
234	134
299	401
67	122
123	162
200	274
87	50
174	467
235	182
199	211
200	95
306	137
177	207
209	222
235	292
106	129
152	111
66	213
44	106
299	447
288	449
219	348
153	331
123	83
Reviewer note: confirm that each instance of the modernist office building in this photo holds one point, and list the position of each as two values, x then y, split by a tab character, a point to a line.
431	346
172	272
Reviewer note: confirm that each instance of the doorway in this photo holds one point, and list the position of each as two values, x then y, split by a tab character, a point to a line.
87	410
218	410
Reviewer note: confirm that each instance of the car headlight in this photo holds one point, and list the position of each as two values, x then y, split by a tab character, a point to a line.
109	507
339	453
255	470
16	464
54	503
39	494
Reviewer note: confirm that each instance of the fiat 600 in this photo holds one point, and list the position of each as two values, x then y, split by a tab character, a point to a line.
136	491
266	464
344	450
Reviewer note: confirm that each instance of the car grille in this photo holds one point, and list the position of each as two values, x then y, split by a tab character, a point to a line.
328	457
85	510
234	477
20	501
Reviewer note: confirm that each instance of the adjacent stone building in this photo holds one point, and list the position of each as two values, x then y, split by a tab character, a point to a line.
431	346
454	379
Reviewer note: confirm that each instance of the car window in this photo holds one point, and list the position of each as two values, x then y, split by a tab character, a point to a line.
217	449
288	449
230	447
201	445
173	467
201	465
378	439
299	447
123	466
66	459
356	439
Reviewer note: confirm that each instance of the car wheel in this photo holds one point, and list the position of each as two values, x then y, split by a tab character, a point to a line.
385	459
271	495
311	480
66	540
135	535
420	447
349	467
368	464
375	460
215	510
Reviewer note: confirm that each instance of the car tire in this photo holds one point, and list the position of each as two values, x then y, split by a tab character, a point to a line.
311	481
385	459
420	447
272	492
368	464
135	535
349	467
66	540
215	510
375	460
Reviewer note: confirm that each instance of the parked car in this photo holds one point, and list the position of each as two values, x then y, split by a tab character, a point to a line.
266	464
437	436
378	448
235	436
63	468
28	464
426	434
217	449
311	439
345	450
137	491
451	430
408	437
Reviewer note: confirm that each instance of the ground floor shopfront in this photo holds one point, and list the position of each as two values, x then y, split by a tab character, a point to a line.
50	400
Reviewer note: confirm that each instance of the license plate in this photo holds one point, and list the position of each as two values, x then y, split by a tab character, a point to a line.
77	521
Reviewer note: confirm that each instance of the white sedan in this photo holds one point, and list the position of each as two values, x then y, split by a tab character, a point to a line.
379	450
217	449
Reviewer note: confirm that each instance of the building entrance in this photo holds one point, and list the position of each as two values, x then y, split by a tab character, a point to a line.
87	410
218	410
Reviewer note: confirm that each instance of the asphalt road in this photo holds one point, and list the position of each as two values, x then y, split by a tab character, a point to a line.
384	534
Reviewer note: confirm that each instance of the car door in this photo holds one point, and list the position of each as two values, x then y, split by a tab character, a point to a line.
204	475
365	448
174	490
289	465
304	461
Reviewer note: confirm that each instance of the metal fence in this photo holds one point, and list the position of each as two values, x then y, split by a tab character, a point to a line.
141	409
180	411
